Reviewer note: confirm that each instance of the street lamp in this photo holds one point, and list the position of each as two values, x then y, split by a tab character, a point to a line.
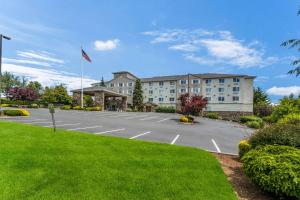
7	38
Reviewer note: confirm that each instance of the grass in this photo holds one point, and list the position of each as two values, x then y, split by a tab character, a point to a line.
36	163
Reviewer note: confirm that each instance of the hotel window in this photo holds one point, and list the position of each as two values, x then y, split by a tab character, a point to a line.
172	91
130	84
120	84
183	90
195	81
150	83
172	99
208	81
221	89
235	98
236	80
208	98
208	90
221	80
196	90
236	89
150	91
112	85
120	91
183	82
161	83
150	99
221	99
172	82
160	99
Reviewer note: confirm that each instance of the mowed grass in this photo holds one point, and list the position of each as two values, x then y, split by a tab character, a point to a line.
36	163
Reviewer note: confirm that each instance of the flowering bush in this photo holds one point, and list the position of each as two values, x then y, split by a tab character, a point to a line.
17	112
192	105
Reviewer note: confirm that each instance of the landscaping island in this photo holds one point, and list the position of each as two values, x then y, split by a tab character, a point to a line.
36	163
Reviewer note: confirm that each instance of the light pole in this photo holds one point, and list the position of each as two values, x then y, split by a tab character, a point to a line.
7	38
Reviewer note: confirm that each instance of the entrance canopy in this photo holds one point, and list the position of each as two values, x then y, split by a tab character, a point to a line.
101	94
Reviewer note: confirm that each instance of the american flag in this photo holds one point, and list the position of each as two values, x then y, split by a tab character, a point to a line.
86	57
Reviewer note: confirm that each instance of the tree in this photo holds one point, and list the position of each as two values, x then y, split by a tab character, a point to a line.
88	100
8	81
260	97
35	85
102	83
137	100
294	43
22	94
192	105
56	95
48	96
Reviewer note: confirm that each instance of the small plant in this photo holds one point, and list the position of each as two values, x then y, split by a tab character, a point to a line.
165	109
275	169
66	107
186	119
5	105
252	121
244	147
96	108
292	118
212	115
17	112
77	108
253	124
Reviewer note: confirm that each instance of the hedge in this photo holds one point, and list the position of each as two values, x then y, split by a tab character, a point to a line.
212	115
292	118
244	147
66	107
252	121
96	108
17	112
165	109
275	169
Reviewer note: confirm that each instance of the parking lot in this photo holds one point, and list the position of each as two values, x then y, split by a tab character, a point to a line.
211	135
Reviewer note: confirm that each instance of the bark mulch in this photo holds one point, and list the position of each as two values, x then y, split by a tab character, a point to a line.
242	185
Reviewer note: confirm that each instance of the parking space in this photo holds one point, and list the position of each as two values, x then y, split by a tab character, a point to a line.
212	135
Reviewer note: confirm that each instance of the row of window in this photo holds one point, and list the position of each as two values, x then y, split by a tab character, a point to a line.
129	84
222	80
197	90
161	99
220	99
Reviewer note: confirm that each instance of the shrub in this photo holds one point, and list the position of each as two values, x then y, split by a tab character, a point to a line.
262	110
269	119
5	105
251	118
253	124
290	118
96	108
34	105
281	134
275	169
244	147
17	112
66	107
77	108
186	119
212	115
165	109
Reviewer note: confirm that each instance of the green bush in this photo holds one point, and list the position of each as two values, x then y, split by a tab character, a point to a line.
66	107
269	119
292	118
212	115
253	124
262	109
17	112
165	109
96	108
5	105
244	147
281	134
275	169
77	108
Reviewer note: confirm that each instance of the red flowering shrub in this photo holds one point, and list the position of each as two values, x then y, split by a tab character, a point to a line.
192	105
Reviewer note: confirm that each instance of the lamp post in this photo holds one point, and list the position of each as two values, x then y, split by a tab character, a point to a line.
7	38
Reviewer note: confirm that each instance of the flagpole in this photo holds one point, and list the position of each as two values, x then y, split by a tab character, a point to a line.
81	65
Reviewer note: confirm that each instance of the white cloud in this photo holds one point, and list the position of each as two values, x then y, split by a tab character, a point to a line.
40	55
284	91
106	45
282	76
48	77
261	79
25	61
214	47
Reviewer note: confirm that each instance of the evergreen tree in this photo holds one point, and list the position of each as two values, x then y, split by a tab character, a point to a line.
138	96
260	97
102	83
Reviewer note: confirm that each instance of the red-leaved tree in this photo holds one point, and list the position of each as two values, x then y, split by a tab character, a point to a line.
192	105
22	94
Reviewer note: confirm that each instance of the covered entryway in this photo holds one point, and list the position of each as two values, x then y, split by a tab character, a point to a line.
149	107
107	99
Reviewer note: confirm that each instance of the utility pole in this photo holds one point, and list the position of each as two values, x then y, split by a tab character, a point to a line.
189	84
7	38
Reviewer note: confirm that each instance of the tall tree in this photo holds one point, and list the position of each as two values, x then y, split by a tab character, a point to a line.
260	97
294	43
138	96
22	94
35	85
8	81
57	95
102	83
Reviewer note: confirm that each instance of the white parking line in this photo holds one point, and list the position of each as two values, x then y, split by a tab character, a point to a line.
148	118
163	120
175	139
61	125
215	144
82	128
111	131
140	135
137	116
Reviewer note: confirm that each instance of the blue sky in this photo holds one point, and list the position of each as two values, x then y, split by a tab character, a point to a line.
151	38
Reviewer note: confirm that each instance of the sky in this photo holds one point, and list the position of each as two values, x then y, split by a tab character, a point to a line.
151	38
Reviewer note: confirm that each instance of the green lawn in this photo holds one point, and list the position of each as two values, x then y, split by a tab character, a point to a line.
36	163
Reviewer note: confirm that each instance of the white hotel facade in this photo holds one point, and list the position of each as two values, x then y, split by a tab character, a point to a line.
225	92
